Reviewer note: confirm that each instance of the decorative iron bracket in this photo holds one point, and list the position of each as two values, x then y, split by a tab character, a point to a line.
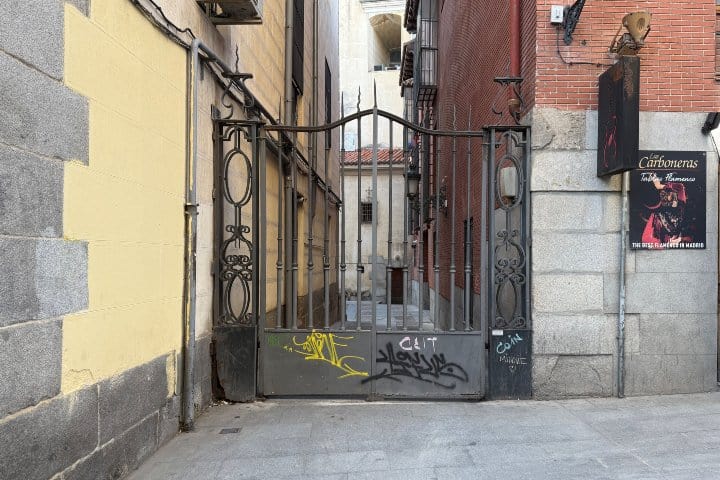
571	19
514	83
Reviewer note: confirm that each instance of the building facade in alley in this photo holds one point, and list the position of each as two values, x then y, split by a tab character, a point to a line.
520	67
130	222
369	73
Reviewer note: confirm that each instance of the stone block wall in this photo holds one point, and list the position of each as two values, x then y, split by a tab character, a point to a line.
84	393
671	321
43	275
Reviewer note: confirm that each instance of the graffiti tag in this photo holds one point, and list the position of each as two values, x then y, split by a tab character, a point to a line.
511	341
417	366
407	343
323	347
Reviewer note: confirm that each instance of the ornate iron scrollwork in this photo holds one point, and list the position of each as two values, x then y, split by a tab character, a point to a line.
236	252
509	244
510	277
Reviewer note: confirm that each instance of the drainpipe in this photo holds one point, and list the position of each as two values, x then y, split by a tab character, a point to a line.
191	212
621	306
290	204
289	12
515	38
515	52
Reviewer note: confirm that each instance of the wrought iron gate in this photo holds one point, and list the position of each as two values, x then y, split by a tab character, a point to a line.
509	286
330	341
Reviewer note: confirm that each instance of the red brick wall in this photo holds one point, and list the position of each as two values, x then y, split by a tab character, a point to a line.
473	42
677	62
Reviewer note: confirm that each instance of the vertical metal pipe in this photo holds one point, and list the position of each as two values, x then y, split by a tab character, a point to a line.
436	234
468	237
485	204
515	40
421	242
406	220
310	213
374	236
189	288
260	223
492	301
218	228
326	235
313	161
359	267
453	268
294	217
289	45
388	267
343	265
290	193
289	222
279	264
316	91
621	306
527	203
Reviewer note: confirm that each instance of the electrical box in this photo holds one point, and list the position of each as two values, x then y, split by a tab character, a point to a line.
557	12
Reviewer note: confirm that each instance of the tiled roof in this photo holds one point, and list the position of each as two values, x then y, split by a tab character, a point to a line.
366	155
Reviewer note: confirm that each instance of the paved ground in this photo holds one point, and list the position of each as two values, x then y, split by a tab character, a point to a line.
668	437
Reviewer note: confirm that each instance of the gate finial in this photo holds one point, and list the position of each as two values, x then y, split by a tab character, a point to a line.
342	104
358	102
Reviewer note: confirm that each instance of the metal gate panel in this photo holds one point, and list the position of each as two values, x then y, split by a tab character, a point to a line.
317	362
433	365
235	351
238	265
375	348
510	349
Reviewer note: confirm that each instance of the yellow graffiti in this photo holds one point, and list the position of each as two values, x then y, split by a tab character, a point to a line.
324	347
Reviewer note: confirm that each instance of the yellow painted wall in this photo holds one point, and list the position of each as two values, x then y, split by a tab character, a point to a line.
127	203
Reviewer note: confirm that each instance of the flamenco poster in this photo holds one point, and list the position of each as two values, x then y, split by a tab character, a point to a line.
668	200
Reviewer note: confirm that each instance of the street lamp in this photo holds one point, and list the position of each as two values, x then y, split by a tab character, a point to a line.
412	177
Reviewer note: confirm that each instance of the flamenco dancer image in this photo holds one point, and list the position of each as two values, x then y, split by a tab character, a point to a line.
667	218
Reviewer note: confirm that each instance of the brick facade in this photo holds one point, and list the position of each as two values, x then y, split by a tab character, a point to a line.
677	62
575	224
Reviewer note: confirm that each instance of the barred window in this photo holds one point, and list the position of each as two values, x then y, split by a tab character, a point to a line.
365	212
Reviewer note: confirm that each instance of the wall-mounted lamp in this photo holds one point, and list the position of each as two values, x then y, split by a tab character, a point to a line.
638	27
412	177
441	197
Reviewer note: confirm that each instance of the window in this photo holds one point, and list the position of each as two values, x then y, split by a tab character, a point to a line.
298	45
365	212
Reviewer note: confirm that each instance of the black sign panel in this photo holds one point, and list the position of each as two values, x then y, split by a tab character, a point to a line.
510	366
618	117
668	200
